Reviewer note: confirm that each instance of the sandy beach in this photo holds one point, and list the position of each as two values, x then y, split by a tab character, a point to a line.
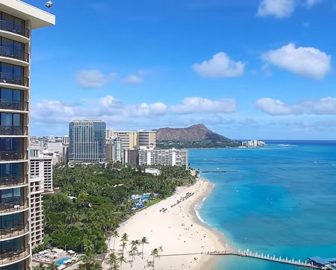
177	231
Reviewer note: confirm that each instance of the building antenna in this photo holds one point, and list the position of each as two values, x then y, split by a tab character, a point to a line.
49	5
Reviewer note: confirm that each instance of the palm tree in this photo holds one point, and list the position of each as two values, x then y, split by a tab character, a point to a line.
113	261
134	248
124	237
122	260
114	234
143	242
156	253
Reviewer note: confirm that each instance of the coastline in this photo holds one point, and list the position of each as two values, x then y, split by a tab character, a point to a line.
178	230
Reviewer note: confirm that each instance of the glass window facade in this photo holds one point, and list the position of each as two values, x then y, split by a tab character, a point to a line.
12	246
11	148
12	74
87	141
17	266
11	222
13	24
10	198
11	173
11	124
11	99
13	49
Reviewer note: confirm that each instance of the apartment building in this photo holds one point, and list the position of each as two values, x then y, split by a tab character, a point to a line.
134	139
40	182
87	141
163	157
17	20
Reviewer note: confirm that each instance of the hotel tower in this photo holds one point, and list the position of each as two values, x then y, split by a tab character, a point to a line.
17	20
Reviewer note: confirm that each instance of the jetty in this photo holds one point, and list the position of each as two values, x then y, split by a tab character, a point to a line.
265	257
258	256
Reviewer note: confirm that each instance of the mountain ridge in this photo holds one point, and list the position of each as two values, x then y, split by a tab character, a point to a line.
195	136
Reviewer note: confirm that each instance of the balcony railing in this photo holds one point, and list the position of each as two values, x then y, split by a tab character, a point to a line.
9	52
13	130
14	256
14	28
18	106
9	78
11	155
7	181
15	231
13	206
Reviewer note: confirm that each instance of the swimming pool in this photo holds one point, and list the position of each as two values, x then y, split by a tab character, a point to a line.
61	261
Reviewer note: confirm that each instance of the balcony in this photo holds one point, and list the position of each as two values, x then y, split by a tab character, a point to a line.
14	256
13	232
16	106
10	79
13	130
12	181
14	28
9	52
11	155
10	207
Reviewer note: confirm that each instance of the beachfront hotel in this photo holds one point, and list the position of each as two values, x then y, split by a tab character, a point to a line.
17	19
87	141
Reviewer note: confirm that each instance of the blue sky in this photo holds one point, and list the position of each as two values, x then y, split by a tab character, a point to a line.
246	69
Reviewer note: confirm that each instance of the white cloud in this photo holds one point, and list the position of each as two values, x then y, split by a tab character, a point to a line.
276	8
145	109
136	78
133	79
93	78
220	65
306	61
283	8
199	105
273	106
47	113
323	106
311	3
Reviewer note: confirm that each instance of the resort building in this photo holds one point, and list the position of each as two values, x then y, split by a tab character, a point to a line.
87	141
113	150
17	19
163	157
131	157
133	139
147	139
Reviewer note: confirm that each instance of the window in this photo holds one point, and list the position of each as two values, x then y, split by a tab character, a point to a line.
12	74
15	245
11	119
11	99
12	24
11	197
11	172
11	48
11	221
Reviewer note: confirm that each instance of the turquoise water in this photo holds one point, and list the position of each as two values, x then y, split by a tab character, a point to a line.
280	199
61	261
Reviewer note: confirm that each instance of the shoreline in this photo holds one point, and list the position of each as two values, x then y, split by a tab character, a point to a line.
179	230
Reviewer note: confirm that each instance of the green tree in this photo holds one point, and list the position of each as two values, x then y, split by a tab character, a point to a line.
144	242
113	261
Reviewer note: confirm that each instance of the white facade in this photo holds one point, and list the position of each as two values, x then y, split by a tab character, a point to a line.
41	181
163	157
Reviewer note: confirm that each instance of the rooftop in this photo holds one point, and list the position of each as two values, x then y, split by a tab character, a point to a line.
38	17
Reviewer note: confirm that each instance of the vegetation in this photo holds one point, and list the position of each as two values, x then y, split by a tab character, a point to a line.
94	200
197	144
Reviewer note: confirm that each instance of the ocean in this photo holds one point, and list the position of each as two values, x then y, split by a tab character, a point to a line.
278	200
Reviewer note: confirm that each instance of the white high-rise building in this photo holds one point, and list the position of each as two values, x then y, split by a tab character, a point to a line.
40	182
17	20
163	157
